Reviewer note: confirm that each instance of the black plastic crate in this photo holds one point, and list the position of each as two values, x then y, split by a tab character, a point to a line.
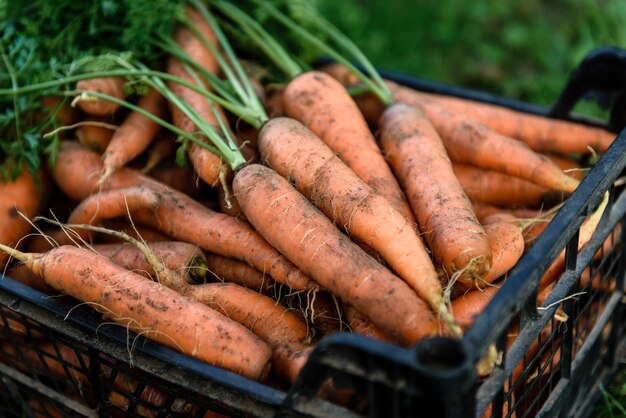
60	360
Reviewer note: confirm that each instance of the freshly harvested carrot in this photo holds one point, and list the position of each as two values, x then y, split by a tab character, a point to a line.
139	232
586	232
296	153
111	86
181	178
470	142
20	196
542	134
182	218
322	252
443	211
206	163
108	204
161	149
324	106
359	324
501	189
186	259
24	275
228	269
569	166
280	328
471	303
151	309
134	135
507	245
94	136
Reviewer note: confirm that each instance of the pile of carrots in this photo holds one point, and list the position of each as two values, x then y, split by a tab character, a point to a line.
396	220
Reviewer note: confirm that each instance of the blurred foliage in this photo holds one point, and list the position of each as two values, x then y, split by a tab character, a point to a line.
519	49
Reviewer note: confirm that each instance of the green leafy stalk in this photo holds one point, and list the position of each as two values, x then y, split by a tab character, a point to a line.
375	83
261	38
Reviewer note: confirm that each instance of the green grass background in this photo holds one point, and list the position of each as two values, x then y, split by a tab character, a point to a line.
521	49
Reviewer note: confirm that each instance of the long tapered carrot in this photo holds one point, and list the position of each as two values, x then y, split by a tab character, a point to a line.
500	189
468	141
311	241
94	136
186	259
325	107
507	244
359	324
206	163
540	133
443	211
112	86
280	328
76	172
226	269
19	201
296	153
134	135
151	309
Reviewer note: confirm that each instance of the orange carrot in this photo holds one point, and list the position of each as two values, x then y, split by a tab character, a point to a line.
161	149
94	136
179	216
443	211
206	163
180	178
112	86
184	258
20	196
151	309
470	142
471	303
134	135
280	328
296	153
501	189
359	324
321	251
228	269
542	134
507	245
325	107
586	231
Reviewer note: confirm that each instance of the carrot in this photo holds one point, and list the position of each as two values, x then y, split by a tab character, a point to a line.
94	136
162	148
359	324
501	189
324	106
470	142
180	178
542	134
443	211
228	269
112	86
179	216
311	241
150	309
134	135
471	303
186	259
206	163
280	328
586	232
109	204
296	153
18	197
507	245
